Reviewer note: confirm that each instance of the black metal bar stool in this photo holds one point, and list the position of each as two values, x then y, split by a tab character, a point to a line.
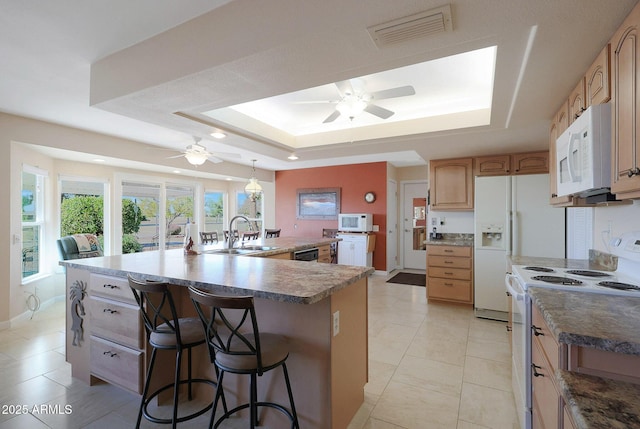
231	329
165	331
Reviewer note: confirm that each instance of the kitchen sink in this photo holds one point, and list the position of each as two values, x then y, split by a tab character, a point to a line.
235	251
256	247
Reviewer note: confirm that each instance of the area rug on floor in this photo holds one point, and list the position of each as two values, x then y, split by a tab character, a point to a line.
409	279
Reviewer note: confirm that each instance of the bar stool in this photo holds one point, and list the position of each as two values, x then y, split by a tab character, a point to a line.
271	233
239	348
165	331
208	237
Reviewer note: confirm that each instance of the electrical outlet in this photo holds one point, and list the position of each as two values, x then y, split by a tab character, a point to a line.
336	323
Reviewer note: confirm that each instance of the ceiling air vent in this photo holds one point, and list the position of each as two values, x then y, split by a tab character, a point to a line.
411	27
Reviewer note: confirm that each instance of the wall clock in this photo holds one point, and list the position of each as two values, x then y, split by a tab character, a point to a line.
369	197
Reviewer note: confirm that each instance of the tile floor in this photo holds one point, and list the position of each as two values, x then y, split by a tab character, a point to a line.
431	366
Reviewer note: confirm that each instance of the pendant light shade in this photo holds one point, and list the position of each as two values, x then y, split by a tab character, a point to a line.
196	158
253	187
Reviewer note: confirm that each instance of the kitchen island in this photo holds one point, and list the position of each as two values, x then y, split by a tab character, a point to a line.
321	308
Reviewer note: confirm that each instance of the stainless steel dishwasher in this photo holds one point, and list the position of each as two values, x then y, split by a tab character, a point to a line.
310	255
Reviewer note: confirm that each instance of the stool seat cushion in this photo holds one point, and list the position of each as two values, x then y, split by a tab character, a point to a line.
190	332
274	351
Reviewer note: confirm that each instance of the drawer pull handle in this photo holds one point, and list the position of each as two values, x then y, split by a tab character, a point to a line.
448	274
536	331
448	262
110	353
110	286
448	284
448	251
509	328
110	311
535	367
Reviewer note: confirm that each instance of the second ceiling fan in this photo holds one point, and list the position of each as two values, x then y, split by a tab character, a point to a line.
354	99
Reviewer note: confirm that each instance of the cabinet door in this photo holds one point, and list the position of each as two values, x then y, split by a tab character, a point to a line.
531	163
625	112
495	165
577	103
598	79
554	132
451	184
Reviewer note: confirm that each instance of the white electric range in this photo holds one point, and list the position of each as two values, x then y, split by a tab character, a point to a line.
625	280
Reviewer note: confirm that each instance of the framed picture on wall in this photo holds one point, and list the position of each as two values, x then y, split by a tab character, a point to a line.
318	203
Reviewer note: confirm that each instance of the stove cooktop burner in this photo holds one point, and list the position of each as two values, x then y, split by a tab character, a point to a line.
619	286
557	280
587	273
540	269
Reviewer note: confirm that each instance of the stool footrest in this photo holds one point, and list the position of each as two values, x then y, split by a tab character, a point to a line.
278	407
159	420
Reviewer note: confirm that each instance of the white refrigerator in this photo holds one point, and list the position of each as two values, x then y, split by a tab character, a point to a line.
512	217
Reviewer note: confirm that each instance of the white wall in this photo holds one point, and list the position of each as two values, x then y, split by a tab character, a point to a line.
622	219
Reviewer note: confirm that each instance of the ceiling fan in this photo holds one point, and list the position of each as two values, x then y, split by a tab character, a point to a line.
354	99
197	154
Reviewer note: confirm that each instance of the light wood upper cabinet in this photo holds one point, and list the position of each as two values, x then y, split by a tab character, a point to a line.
451	184
598	79
562	118
625	82
493	165
530	163
577	101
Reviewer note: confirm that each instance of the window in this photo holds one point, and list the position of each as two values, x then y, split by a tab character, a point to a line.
251	207
140	217
179	211
32	220
82	207
214	212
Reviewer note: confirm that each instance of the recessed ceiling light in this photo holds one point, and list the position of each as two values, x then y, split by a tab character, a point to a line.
98	160
218	135
177	171
229	179
292	157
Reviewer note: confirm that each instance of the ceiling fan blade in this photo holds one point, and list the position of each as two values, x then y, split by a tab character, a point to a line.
176	156
226	154
316	102
378	111
401	91
215	160
332	117
344	87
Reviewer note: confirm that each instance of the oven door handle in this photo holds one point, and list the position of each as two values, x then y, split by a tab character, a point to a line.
518	294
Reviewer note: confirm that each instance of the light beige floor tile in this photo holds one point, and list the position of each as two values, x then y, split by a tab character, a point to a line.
361	417
488	349
23	421
488	407
488	373
429	374
387	351
379	376
489	330
449	350
413	407
25	347
379	424
467	425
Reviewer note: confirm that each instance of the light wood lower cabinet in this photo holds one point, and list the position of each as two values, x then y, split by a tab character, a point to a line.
117	339
324	254
450	273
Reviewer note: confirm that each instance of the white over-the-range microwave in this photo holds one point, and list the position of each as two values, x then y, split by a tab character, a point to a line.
583	154
355	222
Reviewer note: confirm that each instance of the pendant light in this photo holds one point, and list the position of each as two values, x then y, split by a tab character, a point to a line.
253	187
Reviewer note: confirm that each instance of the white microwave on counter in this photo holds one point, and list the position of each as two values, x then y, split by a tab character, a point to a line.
355	222
583	154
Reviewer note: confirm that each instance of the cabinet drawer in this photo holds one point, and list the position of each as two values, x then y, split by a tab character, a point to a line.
117	364
324	251
450	273
448	261
545	396
463	251
548	344
111	287
116	321
456	290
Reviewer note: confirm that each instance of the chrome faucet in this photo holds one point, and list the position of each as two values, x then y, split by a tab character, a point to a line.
231	234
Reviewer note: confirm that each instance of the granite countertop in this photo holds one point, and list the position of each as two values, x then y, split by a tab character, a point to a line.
276	279
596	402
605	322
449	239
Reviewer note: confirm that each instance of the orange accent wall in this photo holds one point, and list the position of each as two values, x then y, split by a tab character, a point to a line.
354	181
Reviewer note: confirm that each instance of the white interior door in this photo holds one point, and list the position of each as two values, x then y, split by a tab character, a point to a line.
414	225
392	225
